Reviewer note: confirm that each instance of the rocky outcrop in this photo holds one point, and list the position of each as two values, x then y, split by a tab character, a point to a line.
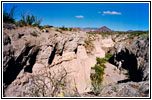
130	89
134	57
28	56
9	26
14	64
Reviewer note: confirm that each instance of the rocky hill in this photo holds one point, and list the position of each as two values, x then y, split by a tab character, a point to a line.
103	29
54	63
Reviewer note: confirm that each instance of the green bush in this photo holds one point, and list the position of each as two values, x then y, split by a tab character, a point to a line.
34	33
40	27
48	26
8	16
108	56
29	19
138	33
131	34
70	29
19	23
58	30
64	28
97	77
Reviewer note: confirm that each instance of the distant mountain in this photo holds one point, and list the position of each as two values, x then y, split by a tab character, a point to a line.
129	30
104	29
89	29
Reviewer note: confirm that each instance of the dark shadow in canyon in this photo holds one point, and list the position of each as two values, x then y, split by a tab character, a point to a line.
32	60
124	81
52	55
129	62
15	66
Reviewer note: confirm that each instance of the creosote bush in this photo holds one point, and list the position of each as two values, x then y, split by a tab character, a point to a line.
97	77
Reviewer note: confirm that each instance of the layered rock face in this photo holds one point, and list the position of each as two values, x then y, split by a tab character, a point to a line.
134	57
36	54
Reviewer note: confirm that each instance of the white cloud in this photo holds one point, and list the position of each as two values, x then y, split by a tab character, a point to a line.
79	16
111	13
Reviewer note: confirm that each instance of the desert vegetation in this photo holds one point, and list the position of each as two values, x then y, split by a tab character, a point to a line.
97	77
8	16
131	34
28	19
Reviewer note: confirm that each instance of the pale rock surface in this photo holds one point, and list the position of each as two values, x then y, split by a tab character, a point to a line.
99	52
112	75
107	42
81	52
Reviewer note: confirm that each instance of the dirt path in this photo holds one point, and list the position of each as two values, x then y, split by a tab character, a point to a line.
112	74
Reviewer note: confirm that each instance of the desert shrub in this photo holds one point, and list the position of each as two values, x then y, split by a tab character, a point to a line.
58	30
97	77
19	23
40	27
34	33
108	56
64	28
89	46
29	19
70	29
50	84
8	16
72	93
48	26
144	35
138	33
131	34
104	34
97	86
39	87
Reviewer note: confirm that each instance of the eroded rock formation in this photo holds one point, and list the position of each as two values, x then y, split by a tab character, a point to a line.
135	58
40	63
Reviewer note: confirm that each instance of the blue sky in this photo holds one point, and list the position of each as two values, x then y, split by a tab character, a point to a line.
116	16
